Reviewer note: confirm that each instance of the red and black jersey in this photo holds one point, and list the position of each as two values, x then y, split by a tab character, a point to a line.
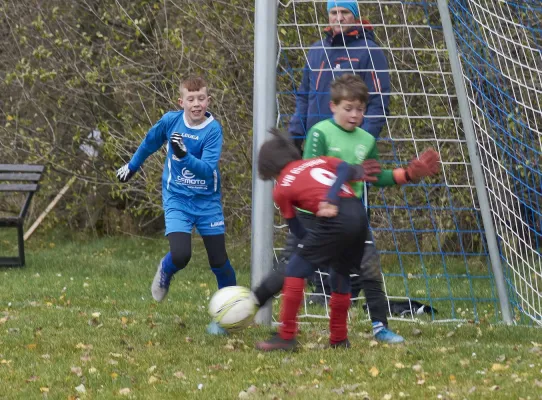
306	183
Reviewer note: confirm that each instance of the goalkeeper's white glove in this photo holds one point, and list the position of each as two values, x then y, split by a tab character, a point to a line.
124	173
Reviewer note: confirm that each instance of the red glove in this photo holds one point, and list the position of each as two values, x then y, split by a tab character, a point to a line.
426	165
370	168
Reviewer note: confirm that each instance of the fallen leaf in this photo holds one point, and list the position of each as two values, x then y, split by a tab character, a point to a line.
116	355
85	358
501	358
77	371
374	372
153	379
114	375
387	397
151	369
44	389
494	388
450	334
3	320
373	343
33	378
96	315
113	362
83	346
417	367
179	375
538	383
399	365
31	346
124	391
464	362
420	381
92	370
416	332
498	367
452	379
80	389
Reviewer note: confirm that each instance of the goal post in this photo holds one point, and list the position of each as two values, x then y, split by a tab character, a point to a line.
479	180
265	54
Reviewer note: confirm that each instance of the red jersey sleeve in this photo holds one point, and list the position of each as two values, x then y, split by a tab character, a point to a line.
282	200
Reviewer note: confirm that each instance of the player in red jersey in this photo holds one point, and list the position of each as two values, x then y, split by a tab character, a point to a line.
318	185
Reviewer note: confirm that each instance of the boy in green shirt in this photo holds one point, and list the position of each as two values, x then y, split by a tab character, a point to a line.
341	137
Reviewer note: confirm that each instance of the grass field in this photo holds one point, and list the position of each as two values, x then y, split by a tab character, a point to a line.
78	322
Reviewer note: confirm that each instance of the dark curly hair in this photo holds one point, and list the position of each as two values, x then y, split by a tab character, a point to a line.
275	154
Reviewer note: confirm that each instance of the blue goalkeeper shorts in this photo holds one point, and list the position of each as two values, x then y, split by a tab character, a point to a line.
209	221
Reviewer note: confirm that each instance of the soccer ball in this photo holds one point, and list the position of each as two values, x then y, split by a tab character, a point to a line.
233	308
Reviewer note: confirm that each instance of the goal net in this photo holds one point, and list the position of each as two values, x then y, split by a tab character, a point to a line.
501	47
430	235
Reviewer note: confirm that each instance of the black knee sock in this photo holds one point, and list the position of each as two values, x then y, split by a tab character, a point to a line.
376	301
269	287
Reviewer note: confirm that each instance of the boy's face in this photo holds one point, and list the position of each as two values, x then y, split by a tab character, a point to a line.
338	17
195	104
348	114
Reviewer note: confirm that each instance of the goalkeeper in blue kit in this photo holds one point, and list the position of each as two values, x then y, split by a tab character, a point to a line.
190	186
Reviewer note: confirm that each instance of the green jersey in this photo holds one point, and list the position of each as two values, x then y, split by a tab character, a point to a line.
326	138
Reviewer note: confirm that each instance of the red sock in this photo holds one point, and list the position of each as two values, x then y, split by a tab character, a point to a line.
292	294
339	305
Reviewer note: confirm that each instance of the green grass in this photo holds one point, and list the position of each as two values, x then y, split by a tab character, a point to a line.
50	342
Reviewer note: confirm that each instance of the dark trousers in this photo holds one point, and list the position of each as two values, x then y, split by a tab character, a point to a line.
368	279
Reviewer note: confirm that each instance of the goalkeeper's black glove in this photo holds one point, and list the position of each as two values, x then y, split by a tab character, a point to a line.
124	173
178	146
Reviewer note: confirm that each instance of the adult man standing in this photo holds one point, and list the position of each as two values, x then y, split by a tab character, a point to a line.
348	47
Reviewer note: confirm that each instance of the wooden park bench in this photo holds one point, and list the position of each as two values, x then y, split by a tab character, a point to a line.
18	178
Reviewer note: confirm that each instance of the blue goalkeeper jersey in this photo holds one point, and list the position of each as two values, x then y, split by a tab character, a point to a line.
195	176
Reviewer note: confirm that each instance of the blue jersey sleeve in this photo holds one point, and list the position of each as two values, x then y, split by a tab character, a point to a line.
208	164
155	138
345	173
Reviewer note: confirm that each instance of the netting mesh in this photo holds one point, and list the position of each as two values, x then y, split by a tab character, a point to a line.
500	43
429	235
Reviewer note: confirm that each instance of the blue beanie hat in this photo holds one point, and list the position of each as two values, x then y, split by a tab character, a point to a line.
350	5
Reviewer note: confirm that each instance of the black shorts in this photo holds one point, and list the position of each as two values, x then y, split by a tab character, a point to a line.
337	241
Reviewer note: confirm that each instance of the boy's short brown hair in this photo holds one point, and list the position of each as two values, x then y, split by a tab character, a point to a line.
193	83
349	87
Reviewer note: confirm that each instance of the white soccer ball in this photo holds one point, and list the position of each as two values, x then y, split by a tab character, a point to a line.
233	308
